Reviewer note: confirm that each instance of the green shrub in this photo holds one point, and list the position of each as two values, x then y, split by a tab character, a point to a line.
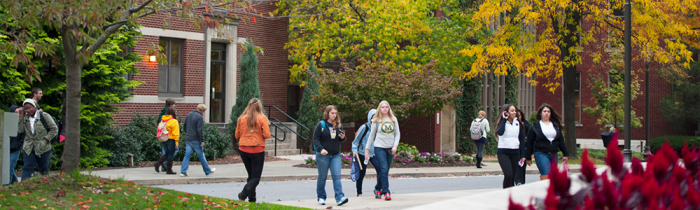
122	145
676	142
491	143
410	150
216	144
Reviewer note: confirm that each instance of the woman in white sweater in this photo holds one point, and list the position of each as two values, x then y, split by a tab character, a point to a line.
511	143
385	138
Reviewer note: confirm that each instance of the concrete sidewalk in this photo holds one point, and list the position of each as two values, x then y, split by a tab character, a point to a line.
284	170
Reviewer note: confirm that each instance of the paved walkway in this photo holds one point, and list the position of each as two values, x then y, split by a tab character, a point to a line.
284	170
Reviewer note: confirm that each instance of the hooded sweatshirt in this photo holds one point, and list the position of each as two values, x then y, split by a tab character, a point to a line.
173	127
385	134
322	138
358	145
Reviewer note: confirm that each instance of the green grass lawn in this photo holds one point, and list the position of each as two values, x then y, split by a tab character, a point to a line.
79	191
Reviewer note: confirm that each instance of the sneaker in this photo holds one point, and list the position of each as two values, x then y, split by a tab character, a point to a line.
378	194
212	171
343	200
241	196
387	196
322	201
184	174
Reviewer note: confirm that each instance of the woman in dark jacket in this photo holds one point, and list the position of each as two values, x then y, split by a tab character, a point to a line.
328	135
545	139
520	173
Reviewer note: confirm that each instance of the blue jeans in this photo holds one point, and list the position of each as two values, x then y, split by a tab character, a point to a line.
169	147
177	149
384	158
32	160
544	161
194	146
14	156
480	149
324	162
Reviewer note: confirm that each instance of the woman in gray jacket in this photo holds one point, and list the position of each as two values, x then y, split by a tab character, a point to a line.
37	142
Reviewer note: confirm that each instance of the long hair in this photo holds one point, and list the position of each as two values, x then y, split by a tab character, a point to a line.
172	112
379	116
554	117
327	114
252	111
505	108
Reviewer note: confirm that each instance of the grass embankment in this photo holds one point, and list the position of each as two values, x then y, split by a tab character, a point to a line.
79	191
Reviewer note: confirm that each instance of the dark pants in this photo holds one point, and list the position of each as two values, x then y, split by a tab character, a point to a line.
520	174
169	147
254	166
384	158
358	183
32	160
509	165
480	149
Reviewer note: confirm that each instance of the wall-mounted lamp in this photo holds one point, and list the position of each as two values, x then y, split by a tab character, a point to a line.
152	58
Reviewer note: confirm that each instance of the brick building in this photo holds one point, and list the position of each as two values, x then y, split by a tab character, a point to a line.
202	68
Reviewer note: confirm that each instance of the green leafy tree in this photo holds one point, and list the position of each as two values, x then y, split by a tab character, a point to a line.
309	112
680	107
467	106
84	26
406	35
410	93
248	88
610	97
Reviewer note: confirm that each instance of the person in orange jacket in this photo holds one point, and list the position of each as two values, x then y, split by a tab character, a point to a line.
251	131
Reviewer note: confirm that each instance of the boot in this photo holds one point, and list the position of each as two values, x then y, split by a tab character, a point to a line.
478	162
160	162
169	168
544	177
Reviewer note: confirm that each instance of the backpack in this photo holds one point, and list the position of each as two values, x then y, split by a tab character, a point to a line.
476	130
46	126
362	146
163	134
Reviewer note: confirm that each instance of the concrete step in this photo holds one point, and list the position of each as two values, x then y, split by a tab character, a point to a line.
272	141
279	146
282	152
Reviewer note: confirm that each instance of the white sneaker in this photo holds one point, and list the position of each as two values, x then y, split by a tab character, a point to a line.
342	201
183	175
321	201
212	171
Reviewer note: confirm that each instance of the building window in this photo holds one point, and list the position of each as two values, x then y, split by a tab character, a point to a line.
170	73
577	98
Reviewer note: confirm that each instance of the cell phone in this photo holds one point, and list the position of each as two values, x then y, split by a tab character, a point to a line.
507	114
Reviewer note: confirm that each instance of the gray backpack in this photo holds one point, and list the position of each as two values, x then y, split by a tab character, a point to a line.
475	129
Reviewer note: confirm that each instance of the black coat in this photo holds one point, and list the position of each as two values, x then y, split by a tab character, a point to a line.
537	141
322	139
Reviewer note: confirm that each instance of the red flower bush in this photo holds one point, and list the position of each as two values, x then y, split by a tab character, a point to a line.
668	182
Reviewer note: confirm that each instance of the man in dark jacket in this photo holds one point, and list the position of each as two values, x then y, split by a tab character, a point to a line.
16	144
194	140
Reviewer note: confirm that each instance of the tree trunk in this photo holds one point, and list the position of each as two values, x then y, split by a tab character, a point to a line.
569	83
73	65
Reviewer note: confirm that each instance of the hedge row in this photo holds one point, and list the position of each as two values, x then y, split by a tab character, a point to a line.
676	142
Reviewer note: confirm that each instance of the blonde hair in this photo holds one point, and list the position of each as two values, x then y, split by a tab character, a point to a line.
482	114
378	117
327	113
201	107
252	111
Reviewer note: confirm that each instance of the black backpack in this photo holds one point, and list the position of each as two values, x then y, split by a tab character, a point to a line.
46	126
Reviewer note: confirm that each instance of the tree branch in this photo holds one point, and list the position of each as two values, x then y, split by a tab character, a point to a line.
358	12
111	29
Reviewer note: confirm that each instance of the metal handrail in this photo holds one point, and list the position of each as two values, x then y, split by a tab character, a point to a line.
276	138
290	129
269	112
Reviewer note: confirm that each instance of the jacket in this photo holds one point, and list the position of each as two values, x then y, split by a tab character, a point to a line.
173	128
40	139
537	141
160	116
322	139
255	138
521	137
194	126
358	145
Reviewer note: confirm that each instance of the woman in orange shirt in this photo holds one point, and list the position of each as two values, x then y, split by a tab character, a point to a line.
252	130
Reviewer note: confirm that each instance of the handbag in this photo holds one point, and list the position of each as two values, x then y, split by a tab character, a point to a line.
355	170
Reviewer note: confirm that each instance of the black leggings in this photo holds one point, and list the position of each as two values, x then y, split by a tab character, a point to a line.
509	165
254	166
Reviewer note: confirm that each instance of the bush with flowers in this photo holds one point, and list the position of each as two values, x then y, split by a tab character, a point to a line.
311	159
667	182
